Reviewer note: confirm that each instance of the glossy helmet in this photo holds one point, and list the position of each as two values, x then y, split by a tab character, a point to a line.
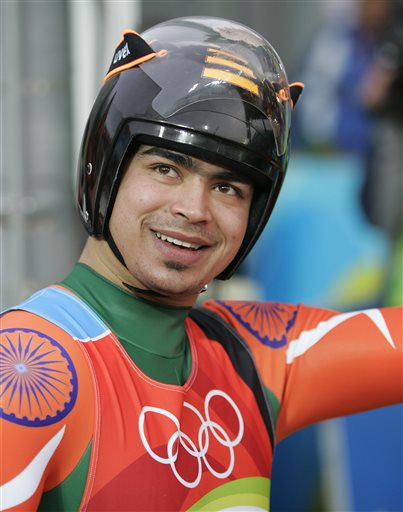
207	87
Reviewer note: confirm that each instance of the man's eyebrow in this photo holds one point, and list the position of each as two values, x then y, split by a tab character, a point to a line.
177	158
228	175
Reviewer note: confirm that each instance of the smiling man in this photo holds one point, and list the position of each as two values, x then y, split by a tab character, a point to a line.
117	393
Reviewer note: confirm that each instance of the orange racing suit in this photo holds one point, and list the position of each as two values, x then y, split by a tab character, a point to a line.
82	427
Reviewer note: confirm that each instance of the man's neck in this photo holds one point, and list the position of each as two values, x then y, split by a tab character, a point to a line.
153	335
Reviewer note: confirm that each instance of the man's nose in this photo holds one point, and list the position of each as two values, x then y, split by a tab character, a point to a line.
192	201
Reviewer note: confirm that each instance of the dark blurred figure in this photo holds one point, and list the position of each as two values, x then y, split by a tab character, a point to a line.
383	95
383	188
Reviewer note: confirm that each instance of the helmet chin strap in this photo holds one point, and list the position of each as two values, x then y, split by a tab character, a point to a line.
114	248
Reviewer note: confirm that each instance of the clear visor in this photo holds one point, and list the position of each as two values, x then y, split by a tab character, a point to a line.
215	59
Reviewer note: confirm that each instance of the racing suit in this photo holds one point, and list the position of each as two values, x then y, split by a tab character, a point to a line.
92	421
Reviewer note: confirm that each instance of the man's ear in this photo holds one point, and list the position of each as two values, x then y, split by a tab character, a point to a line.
296	89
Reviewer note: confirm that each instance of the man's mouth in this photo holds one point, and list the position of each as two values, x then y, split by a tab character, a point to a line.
176	242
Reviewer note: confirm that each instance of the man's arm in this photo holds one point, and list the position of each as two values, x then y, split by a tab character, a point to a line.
339	364
47	408
319	364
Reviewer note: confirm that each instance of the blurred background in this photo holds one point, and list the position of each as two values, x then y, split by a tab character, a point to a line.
335	239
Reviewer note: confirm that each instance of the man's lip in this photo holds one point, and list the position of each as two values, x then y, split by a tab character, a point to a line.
190	239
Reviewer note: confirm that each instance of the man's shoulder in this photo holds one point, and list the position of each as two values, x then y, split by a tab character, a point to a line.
41	353
41	315
58	307
54	314
47	391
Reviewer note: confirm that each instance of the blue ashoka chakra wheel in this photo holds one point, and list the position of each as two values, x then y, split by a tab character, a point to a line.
268	322
38	381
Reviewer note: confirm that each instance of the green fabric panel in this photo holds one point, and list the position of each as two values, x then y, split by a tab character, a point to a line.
152	334
274	402
67	495
239	494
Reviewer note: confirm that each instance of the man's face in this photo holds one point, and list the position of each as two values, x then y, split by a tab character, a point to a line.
178	221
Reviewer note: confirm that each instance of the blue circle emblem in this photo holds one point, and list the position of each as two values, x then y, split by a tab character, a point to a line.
38	381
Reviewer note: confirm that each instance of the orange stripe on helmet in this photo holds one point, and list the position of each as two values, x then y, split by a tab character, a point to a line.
231	78
223	53
231	64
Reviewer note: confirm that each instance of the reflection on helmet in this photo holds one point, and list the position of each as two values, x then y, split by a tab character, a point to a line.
209	87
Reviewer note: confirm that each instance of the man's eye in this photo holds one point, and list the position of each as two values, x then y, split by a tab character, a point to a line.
228	190
166	170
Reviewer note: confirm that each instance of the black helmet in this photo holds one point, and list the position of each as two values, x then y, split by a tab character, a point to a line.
207	87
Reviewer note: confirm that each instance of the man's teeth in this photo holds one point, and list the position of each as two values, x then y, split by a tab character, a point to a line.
175	241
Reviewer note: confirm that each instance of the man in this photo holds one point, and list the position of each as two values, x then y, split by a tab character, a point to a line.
117	394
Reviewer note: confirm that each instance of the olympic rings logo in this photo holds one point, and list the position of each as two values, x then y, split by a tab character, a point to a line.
199	451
